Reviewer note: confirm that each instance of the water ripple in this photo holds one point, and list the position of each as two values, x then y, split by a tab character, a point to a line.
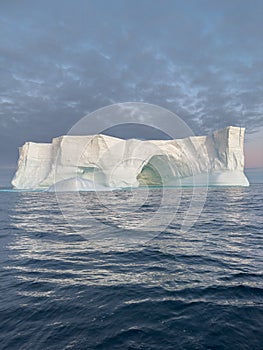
197	290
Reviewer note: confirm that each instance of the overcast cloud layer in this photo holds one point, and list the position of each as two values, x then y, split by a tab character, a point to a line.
62	59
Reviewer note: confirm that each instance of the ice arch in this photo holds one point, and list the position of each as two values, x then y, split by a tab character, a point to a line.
163	170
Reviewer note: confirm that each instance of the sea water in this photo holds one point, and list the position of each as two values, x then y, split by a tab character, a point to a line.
199	288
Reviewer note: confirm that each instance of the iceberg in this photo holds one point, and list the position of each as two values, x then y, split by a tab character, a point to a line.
77	184
100	162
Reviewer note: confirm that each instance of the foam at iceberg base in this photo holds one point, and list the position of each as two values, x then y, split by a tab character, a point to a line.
75	163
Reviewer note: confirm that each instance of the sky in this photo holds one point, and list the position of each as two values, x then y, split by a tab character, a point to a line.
61	59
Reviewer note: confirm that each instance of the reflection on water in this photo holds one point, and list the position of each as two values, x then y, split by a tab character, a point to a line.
100	216
224	238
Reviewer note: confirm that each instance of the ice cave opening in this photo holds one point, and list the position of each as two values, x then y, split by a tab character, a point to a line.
158	171
93	174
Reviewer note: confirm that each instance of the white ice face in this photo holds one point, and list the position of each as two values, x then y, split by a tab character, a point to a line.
101	162
77	184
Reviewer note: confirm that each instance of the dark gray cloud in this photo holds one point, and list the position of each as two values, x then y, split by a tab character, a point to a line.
62	59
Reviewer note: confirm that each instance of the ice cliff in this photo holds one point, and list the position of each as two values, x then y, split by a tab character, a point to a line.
105	161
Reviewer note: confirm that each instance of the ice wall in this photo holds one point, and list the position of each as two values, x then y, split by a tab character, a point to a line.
216	159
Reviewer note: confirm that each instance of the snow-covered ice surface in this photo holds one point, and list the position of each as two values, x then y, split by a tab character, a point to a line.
100	162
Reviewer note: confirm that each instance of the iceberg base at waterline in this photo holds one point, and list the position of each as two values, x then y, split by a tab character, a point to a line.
77	184
229	178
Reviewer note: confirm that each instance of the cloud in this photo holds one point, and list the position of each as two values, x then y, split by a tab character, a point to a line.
60	60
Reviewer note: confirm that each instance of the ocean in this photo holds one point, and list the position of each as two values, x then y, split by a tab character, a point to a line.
107	272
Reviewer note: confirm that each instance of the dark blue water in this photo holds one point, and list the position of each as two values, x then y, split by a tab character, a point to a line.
197	289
